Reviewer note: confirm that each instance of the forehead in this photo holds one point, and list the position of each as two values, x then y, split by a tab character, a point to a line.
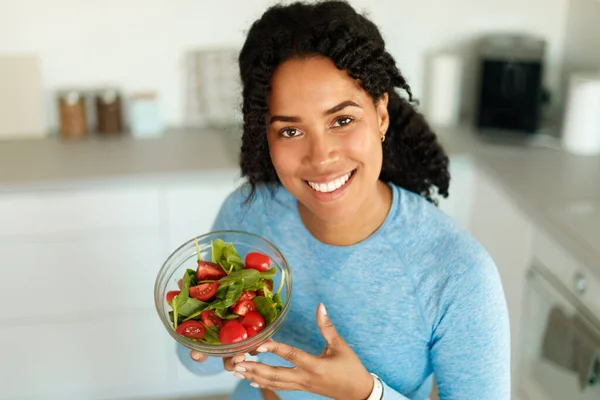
305	84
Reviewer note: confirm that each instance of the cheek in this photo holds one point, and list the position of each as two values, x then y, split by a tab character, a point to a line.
284	159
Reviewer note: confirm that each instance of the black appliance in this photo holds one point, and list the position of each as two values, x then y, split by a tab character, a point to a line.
510	85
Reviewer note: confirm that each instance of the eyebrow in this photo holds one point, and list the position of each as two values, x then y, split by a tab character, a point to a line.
332	110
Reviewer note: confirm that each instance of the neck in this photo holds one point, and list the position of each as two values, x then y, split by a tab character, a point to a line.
355	229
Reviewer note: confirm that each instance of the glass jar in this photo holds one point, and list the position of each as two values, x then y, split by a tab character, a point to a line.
109	112
72	114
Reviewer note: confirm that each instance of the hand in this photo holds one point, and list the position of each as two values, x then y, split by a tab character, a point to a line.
337	373
228	362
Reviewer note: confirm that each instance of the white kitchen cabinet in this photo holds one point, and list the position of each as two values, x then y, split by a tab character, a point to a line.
459	202
62	211
507	234
55	276
97	355
191	208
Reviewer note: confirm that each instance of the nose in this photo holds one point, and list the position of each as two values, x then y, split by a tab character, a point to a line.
322	150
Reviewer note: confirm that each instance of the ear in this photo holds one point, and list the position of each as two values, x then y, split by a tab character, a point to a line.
383	117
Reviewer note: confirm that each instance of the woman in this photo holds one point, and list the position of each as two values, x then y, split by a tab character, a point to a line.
343	176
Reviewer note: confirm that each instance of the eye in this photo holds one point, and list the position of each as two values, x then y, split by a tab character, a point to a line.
290	132
343	121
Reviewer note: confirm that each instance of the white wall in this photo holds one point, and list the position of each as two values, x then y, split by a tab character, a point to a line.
140	44
582	51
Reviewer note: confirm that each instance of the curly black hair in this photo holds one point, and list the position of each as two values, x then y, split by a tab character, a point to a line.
412	156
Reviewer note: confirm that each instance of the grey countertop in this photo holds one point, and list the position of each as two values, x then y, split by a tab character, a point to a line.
559	191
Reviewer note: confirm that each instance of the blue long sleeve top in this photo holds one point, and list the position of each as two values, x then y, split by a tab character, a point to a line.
418	298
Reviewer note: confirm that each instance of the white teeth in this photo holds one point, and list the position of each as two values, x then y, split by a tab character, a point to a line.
330	186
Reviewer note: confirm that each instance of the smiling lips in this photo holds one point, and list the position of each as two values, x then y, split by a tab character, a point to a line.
330	186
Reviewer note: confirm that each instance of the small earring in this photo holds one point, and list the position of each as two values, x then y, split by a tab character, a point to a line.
383	138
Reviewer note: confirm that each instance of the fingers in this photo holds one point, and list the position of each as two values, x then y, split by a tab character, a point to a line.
272	378
230	362
198	357
327	329
289	353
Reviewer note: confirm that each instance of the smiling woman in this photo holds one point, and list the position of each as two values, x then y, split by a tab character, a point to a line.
344	174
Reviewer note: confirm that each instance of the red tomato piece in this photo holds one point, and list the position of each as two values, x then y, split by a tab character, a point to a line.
172	294
209	271
243	307
232	332
253	320
204	291
211	319
192	329
257	261
251	332
247	295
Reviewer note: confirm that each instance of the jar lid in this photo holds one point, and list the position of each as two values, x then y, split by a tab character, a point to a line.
71	97
108	95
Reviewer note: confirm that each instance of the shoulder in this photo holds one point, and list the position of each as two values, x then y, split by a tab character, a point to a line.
446	262
238	210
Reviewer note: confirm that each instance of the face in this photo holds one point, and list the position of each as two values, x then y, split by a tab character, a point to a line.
324	135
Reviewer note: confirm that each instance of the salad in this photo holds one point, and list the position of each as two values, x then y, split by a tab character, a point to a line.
227	299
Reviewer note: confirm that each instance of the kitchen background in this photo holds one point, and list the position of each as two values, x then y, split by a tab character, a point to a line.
118	140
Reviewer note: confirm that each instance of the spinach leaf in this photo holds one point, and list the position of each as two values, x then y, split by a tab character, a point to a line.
232	258
234	291
211	336
260	284
270	273
278	302
216	249
249	277
225	313
267	308
181	299
179	320
191	274
221	292
192	306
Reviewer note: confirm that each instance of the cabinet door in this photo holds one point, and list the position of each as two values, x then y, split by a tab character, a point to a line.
507	234
49	277
98	355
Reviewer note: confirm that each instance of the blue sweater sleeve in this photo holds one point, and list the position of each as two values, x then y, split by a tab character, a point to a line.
470	348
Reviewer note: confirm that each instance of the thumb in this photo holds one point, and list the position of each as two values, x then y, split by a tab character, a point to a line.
326	327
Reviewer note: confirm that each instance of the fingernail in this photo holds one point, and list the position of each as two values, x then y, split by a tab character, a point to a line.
255	385
239	359
240	369
238	375
323	309
262	349
196	356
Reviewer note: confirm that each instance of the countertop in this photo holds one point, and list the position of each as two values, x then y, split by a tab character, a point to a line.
559	191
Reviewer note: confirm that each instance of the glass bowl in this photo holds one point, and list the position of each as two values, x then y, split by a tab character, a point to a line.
185	257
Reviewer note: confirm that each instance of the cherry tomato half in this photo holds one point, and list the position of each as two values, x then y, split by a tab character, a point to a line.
253	320
211	319
243	307
257	261
204	291
172	294
247	295
192	329
209	271
251	332
232	332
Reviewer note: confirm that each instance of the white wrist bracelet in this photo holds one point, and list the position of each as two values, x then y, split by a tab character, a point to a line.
377	393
